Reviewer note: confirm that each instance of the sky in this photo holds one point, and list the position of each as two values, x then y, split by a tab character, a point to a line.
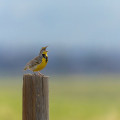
68	23
88	29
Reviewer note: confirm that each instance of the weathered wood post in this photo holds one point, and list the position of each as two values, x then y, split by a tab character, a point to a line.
35	97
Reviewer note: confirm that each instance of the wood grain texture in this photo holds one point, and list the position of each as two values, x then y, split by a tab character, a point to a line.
35	97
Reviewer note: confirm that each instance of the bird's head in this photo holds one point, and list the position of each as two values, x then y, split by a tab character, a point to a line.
43	50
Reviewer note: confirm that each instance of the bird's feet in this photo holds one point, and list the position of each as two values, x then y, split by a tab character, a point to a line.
34	73
40	74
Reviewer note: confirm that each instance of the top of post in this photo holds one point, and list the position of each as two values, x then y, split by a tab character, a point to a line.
35	75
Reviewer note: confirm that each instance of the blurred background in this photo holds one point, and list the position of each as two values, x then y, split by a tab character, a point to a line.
84	56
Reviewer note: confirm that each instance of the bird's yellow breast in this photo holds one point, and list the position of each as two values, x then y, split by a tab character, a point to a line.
41	65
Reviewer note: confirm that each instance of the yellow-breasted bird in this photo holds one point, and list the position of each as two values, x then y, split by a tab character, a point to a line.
39	62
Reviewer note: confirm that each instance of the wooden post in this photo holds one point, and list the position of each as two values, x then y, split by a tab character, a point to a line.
35	97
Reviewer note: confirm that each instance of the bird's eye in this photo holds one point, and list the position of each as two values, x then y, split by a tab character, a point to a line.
43	55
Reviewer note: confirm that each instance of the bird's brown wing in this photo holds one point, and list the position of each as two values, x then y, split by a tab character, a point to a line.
35	61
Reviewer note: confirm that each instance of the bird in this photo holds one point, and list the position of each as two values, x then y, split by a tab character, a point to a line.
38	63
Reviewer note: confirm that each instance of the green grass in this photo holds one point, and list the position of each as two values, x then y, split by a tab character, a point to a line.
71	98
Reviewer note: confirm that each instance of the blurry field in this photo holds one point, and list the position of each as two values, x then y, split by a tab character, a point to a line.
71	98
